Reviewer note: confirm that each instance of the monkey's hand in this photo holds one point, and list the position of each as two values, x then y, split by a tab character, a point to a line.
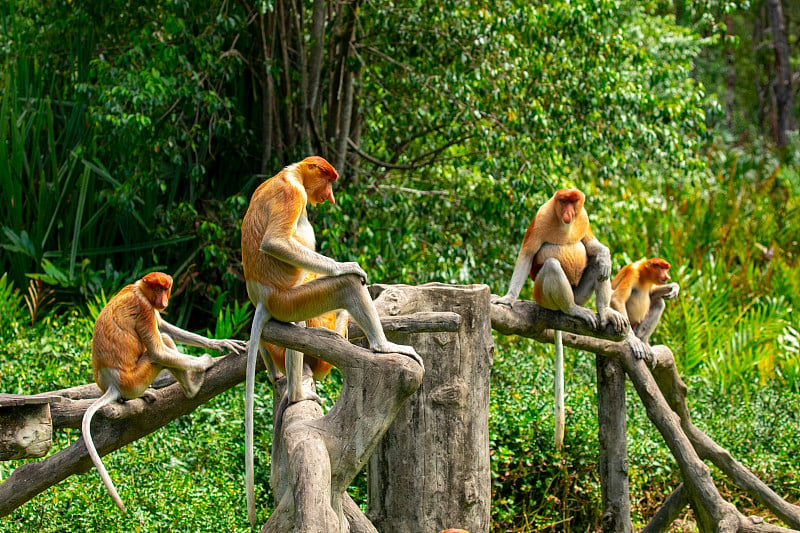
640	349
506	300
584	314
351	267
615	318
229	345
674	289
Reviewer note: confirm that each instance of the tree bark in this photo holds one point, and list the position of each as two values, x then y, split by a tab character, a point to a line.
432	469
613	446
782	85
317	457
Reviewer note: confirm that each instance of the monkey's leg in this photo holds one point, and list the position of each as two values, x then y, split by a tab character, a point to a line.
298	373
657	296
551	290
326	294
189	372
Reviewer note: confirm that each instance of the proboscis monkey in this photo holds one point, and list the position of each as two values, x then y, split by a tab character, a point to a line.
640	289
131	344
278	252
567	264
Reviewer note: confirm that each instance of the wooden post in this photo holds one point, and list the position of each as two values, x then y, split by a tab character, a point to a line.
26	428
431	471
613	451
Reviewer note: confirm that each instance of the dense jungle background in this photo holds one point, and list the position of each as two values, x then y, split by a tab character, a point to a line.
134	132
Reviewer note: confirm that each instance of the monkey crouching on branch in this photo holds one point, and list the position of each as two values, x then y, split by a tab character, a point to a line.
640	289
131	344
567	264
278	252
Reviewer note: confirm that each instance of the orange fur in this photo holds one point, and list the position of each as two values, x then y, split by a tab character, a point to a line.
633	285
126	329
320	368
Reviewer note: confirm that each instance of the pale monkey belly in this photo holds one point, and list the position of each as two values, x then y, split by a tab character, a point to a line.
571	256
637	306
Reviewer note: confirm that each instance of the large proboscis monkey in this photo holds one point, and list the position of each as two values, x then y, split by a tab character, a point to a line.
277	253
567	264
131	344
640	289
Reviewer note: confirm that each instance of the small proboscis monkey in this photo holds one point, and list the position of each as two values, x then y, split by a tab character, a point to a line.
567	264
278	251
131	344
640	289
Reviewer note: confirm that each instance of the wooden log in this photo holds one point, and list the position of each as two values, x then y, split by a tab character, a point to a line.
431	471
611	418
26	428
317	457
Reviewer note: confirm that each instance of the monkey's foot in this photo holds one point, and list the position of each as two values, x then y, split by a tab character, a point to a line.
390	347
584	314
504	300
640	349
616	319
674	289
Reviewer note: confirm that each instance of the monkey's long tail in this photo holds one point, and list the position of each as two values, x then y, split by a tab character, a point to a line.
560	421
260	318
111	395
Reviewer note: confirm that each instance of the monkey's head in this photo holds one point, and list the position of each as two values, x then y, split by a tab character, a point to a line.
568	203
318	177
657	270
157	287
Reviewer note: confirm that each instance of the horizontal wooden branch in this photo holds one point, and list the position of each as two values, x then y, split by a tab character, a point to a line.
422	322
527	319
686	443
120	424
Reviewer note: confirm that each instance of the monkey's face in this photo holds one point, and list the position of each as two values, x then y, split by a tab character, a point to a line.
320	190
568	203
160	298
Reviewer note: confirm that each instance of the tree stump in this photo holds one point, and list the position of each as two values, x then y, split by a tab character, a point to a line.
26	428
317	457
431	471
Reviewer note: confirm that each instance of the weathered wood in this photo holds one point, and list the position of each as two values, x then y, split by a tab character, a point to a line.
317	457
26	427
613	452
120	424
432	469
712	512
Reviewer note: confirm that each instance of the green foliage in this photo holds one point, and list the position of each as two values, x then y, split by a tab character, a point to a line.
10	309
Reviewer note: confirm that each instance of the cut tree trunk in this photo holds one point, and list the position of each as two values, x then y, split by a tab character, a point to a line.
432	470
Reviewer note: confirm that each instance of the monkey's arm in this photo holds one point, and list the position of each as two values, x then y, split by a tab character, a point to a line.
602	256
667	292
279	241
192	339
522	270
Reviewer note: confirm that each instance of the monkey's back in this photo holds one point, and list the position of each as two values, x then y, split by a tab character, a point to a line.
116	344
276	193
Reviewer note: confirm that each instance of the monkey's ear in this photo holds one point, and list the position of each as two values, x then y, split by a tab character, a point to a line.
312	165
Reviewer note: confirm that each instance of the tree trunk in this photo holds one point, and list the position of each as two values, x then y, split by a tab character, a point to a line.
782	85
432	471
